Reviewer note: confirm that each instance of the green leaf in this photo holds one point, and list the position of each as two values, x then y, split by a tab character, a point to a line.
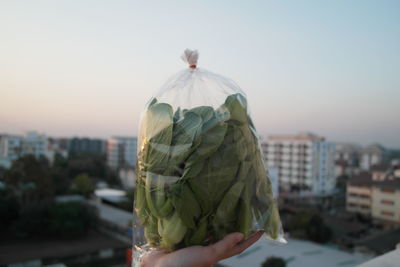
172	230
185	204
210	141
156	137
184	133
215	178
237	106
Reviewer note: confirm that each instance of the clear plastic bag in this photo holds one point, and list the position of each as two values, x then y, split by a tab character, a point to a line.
200	171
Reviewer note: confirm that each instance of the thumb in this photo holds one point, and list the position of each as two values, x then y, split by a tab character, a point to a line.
224	246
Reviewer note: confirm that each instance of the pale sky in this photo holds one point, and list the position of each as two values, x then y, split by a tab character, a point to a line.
87	68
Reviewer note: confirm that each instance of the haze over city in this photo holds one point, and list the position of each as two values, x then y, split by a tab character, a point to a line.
332	68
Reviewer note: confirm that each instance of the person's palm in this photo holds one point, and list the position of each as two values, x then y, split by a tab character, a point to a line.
199	256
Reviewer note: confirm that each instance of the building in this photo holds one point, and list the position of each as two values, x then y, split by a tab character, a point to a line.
127	177
87	145
56	146
347	158
348	152
305	162
121	152
35	144
359	194
14	146
386	200
10	149
273	177
371	155
375	196
380	172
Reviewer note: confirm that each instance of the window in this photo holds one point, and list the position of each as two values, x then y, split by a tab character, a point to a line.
386	190
387	202
387	213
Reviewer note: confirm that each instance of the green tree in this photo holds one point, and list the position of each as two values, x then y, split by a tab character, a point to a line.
317	230
30	181
32	221
59	173
71	220
274	262
8	209
83	185
299	221
92	164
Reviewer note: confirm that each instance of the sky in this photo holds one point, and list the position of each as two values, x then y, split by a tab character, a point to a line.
87	68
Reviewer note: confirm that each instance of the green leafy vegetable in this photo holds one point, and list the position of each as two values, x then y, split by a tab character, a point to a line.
201	176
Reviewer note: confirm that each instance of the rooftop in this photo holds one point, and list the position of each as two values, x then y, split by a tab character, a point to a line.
296	253
362	179
305	136
12	251
390	259
381	242
383	167
113	215
365	179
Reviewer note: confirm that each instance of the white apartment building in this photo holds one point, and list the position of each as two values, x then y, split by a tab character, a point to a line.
121	152
10	146
35	144
348	152
10	149
305	162
14	146
371	155
127	177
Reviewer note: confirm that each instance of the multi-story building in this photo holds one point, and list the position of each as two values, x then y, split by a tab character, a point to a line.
348	153
305	162
359	194
10	146
375	196
273	176
13	146
386	200
35	144
57	146
371	155
347	157
10	149
87	145
121	152
127	177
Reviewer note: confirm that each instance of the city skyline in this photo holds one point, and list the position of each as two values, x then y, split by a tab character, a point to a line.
88	69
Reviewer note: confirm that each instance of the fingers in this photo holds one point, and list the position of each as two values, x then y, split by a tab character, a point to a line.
224	246
240	247
150	258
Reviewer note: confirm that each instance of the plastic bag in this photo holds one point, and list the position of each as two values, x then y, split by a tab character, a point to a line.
200	170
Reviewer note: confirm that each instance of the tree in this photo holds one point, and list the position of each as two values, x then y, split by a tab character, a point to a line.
317	231
274	262
92	164
8	209
32	221
299	221
2	171
71	219
83	184
30	181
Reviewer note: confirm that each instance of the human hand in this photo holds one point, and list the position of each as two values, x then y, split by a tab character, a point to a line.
201	256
